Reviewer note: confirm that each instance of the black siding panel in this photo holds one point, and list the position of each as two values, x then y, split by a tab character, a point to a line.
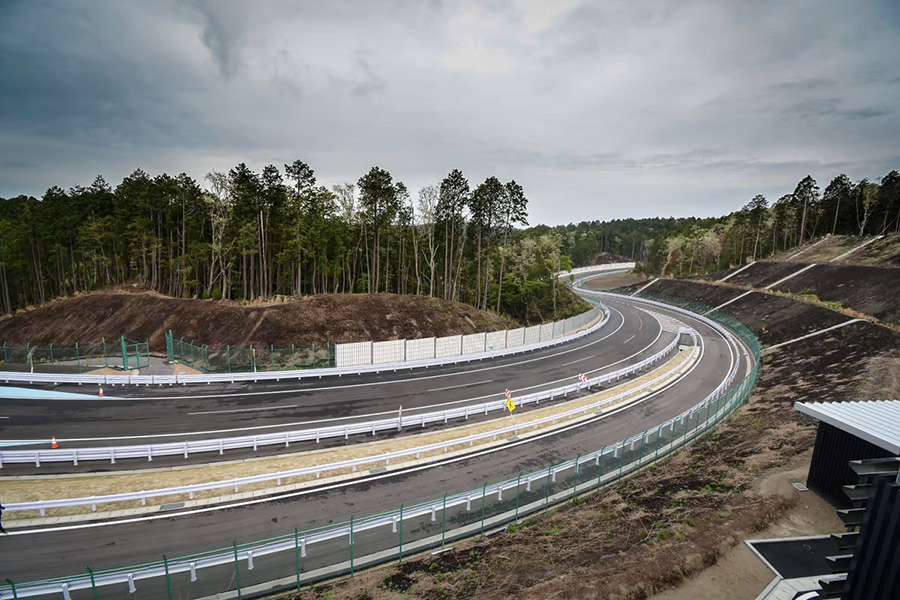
830	469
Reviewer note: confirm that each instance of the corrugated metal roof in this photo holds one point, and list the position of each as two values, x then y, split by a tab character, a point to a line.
877	422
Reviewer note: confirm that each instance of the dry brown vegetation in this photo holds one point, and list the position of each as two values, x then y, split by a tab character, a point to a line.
333	318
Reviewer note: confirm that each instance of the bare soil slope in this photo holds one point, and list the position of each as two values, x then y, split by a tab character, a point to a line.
312	320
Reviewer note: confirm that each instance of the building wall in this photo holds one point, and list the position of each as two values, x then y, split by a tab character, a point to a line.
830	470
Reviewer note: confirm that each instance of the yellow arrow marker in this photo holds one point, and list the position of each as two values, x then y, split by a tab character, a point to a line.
510	406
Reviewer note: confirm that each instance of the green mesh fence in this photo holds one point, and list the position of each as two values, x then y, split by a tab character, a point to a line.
233	359
298	558
78	358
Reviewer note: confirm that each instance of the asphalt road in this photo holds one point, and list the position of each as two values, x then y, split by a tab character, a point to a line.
28	555
212	411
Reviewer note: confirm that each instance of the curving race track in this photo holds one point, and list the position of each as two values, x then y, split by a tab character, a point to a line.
164	414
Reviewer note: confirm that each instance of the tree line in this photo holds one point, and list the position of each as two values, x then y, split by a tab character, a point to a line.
244	235
760	229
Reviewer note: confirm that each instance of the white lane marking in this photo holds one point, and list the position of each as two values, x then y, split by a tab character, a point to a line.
240	410
462	385
629	339
388	412
4	417
305	492
580	359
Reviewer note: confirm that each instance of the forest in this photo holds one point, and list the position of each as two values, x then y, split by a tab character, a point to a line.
245	235
760	229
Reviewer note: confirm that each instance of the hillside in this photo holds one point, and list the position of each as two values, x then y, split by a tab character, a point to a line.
331	318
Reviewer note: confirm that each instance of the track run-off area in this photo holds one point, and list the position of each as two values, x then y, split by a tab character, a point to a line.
634	330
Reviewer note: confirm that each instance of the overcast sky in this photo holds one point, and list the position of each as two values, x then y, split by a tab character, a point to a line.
599	109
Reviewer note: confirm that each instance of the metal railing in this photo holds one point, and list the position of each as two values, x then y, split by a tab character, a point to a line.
296	558
285	438
599	312
386	458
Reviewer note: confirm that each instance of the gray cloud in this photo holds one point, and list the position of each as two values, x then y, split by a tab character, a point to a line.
601	110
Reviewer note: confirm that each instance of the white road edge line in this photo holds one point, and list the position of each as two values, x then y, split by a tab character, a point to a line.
240	410
579	360
462	385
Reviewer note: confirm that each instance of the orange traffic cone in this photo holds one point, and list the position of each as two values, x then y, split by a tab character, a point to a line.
101	392
53	443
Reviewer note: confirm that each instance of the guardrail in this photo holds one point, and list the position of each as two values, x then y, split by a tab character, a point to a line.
288	562
385	458
220	445
596	268
599	312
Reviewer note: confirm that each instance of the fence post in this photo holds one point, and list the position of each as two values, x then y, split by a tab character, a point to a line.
124	355
483	493
237	567
292	357
315	361
6	361
351	547
51	353
600	464
170	346
105	360
400	523
93	583
205	358
193	364
271	357
168	579
621	460
658	430
253	357
297	555
575	487
518	487
8	580
228	354
444	521
547	499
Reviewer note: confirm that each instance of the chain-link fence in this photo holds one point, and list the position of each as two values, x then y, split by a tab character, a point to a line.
119	354
298	557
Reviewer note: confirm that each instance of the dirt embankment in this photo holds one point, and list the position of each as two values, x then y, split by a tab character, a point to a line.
660	527
312	320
